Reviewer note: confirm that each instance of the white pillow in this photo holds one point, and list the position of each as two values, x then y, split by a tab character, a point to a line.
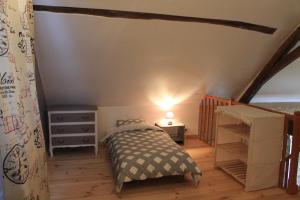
122	122
129	127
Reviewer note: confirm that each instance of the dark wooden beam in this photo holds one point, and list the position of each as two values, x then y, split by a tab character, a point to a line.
298	37
279	60
154	16
284	61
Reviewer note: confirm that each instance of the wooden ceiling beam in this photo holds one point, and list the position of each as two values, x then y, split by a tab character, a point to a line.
154	16
285	61
279	61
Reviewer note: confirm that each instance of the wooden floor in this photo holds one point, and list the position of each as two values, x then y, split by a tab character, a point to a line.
78	175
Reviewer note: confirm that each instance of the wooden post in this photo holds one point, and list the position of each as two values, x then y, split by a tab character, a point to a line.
209	125
215	123
200	120
212	136
284	163
205	119
292	183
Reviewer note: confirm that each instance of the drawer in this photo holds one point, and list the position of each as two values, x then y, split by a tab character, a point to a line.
61	141
72	117
173	135
70	129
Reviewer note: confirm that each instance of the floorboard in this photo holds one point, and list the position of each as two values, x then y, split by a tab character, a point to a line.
79	175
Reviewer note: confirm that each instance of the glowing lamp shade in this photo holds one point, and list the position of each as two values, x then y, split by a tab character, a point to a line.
169	115
167	103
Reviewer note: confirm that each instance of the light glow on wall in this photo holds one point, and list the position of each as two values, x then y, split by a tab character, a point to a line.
166	94
168	103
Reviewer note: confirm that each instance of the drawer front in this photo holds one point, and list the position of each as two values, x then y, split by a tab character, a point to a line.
72	129
61	141
172	131
176	132
72	117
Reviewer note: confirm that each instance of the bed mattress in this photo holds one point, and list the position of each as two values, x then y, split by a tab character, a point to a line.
142	152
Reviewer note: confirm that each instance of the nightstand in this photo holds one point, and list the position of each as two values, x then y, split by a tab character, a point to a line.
176	130
72	126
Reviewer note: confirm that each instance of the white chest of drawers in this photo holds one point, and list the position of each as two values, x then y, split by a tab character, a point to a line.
72	126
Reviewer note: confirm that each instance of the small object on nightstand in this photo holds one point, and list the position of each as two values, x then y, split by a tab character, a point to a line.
176	130
169	117
72	126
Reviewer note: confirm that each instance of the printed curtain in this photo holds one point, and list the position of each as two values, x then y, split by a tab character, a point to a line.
22	149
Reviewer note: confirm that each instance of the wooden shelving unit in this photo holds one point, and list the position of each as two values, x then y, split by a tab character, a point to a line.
237	149
236	169
243	140
240	129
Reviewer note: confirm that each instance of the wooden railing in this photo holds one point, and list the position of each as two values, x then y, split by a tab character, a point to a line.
286	151
290	151
291	158
207	117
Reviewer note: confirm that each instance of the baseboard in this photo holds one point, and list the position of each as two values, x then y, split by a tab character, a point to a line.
192	136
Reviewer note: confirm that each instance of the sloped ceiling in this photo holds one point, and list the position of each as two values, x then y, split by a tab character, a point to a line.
283	87
119	62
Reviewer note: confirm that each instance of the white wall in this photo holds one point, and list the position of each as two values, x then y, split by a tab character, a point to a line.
185	113
127	67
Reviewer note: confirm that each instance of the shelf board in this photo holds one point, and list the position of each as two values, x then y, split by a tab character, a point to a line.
241	129
238	149
235	168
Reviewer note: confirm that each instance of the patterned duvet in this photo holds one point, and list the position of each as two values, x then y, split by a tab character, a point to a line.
143	152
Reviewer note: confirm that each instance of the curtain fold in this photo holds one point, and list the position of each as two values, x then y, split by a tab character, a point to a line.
1	185
22	148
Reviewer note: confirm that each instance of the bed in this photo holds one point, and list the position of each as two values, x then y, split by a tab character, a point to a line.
142	151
